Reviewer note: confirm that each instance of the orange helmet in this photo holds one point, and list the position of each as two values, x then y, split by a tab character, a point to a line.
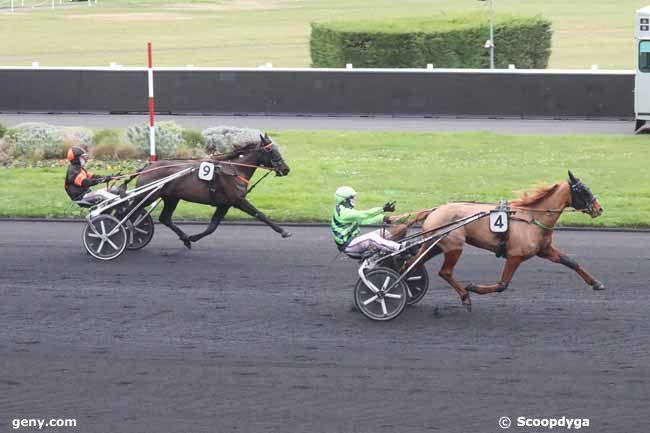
75	152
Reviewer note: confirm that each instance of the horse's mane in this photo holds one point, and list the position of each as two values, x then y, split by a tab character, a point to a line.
526	199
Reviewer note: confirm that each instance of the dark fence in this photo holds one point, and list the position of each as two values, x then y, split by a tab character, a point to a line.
506	93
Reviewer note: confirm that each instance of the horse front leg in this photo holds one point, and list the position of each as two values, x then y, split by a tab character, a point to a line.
246	206
166	219
557	256
512	263
217	217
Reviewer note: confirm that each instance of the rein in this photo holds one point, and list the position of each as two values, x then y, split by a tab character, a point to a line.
138	173
521	207
258	181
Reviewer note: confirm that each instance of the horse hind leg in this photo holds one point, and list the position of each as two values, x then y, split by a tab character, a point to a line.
447	274
166	218
218	215
512	263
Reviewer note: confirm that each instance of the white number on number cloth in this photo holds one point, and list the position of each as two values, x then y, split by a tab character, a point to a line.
498	222
206	171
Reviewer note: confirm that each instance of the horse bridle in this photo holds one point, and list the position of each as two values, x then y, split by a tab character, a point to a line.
276	159
578	202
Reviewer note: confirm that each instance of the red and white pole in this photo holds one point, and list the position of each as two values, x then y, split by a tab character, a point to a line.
152	125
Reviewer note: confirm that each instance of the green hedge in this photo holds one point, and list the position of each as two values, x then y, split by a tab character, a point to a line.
447	42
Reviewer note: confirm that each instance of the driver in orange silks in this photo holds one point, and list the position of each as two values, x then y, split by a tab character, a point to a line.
78	180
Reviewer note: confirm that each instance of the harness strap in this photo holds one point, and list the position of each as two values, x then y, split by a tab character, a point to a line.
541	225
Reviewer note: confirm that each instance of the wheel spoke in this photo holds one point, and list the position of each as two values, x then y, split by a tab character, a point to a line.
101	246
392	295
383	307
110	242
408	291
386	281
144	232
415	278
369	300
371	286
94	229
138	220
101	223
94	235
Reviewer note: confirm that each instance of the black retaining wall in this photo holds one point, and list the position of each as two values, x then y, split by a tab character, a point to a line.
321	92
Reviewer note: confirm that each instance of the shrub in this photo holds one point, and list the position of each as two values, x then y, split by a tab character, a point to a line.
39	140
103	136
77	136
223	139
168	138
193	138
447	42
3	130
187	152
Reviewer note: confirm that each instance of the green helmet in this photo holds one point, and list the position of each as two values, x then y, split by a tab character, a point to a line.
344	193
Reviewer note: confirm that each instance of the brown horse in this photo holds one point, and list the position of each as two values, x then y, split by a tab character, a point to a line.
229	188
530	234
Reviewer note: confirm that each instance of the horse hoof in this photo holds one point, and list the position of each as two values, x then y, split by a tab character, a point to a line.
187	243
286	234
598	286
471	287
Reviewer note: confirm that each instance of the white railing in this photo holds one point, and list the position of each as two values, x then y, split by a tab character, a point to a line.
115	67
34	5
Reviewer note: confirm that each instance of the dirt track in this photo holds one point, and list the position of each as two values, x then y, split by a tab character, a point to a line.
249	332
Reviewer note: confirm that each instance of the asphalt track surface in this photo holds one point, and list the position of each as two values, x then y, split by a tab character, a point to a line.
248	332
412	124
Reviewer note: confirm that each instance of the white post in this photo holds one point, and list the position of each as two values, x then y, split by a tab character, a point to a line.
152	126
348	66
491	35
12	6
52	4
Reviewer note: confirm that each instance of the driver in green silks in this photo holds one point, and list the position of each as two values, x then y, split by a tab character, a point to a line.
346	221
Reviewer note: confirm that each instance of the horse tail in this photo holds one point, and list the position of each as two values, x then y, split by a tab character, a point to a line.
411	218
421	215
136	174
404	221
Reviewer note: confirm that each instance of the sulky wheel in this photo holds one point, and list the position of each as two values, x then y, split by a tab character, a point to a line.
139	229
104	237
417	282
386	301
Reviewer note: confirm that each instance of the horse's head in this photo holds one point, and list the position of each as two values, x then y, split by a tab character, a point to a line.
582	198
271	156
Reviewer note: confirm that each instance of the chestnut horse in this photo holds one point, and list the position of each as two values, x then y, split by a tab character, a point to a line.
530	234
